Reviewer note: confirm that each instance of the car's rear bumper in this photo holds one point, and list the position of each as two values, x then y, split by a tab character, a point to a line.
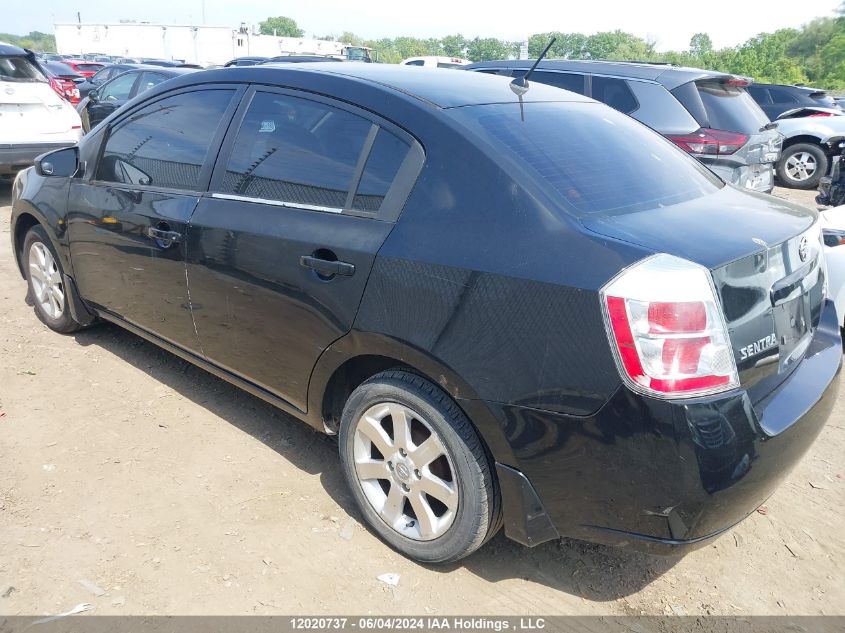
14	158
665	476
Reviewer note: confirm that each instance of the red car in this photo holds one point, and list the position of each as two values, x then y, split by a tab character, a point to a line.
63	79
86	69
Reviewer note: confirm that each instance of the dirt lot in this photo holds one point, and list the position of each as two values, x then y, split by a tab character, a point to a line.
134	481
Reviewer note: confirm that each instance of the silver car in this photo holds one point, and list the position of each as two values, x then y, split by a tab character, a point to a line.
706	113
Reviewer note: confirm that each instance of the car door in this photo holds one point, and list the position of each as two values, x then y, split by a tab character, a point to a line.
303	195
109	97
128	214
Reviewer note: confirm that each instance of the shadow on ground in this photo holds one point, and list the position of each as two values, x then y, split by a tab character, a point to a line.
590	571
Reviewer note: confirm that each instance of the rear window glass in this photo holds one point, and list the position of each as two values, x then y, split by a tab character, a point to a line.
89	67
19	69
721	107
566	145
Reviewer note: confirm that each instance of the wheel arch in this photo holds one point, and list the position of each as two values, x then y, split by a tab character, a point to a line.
360	355
803	138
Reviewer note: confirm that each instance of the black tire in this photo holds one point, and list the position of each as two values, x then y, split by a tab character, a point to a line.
62	322
478	514
822	164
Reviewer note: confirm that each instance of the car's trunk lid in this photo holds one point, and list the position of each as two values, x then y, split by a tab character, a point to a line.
29	111
752	243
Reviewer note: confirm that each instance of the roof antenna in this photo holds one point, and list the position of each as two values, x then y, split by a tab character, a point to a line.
520	84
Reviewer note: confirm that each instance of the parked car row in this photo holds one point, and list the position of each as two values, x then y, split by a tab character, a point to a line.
516	305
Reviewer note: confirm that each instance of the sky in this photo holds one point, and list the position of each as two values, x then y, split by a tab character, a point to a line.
670	23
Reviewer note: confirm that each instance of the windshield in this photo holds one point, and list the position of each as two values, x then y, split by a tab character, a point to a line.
597	159
19	68
353	53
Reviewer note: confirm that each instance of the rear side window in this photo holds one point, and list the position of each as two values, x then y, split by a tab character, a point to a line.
308	153
779	95
615	93
166	143
380	170
416	62
721	107
758	93
566	145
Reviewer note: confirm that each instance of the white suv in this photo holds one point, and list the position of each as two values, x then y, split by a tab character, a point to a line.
33	118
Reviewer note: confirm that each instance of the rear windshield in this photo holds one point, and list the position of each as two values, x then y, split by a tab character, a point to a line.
87	67
720	107
17	68
823	98
597	159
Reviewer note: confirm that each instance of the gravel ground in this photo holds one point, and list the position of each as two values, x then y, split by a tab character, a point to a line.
136	482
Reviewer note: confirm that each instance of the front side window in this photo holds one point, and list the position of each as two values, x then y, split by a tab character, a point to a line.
119	89
166	143
302	152
566	81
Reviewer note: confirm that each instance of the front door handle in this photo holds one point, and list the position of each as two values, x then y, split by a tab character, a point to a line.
327	267
164	235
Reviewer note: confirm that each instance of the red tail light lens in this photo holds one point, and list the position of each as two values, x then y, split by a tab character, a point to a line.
820	114
667	329
712	142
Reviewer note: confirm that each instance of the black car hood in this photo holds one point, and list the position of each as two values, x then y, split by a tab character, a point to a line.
712	230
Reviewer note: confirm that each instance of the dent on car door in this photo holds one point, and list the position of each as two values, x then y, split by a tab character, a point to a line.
304	195
128	216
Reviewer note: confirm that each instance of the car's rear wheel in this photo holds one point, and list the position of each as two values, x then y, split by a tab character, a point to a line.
45	281
417	468
802	165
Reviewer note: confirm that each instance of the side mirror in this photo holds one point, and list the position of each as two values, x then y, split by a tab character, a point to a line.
93	95
61	162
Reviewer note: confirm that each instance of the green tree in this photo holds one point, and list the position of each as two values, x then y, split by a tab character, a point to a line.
700	44
454	45
281	26
482	49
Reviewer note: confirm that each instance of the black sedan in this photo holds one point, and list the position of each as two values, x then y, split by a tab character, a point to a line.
775	99
503	325
104	99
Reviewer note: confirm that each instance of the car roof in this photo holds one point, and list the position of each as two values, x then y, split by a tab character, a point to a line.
806	89
9	49
441	87
300	59
666	74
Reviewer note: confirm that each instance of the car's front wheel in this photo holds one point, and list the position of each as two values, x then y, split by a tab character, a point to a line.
417	468
45	281
802	165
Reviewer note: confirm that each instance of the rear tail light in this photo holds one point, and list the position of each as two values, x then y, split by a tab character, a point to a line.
707	141
820	114
667	331
56	85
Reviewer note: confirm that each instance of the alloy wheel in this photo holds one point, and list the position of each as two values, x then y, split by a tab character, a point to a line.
801	166
405	471
46	280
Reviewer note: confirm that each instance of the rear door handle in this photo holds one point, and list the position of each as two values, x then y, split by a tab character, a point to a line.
327	267
164	235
